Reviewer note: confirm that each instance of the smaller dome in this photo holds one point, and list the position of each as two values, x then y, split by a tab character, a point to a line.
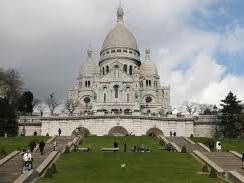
88	68
148	68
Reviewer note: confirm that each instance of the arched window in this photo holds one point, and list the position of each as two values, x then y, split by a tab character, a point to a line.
103	71
146	82
89	83
130	70
125	68
104	97
149	82
128	97
107	69
116	91
85	83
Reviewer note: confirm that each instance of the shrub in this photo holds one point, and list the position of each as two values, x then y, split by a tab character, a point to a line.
47	134
205	168
54	168
213	174
192	136
35	133
66	151
3	152
183	150
49	173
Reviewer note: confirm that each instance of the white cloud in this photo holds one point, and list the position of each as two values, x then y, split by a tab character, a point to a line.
40	37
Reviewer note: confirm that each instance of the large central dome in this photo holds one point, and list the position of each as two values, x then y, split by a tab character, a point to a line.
120	36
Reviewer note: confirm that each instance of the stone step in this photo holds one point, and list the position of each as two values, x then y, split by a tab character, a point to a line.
13	168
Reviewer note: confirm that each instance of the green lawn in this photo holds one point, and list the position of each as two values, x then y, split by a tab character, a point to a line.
96	143
227	144
18	143
153	167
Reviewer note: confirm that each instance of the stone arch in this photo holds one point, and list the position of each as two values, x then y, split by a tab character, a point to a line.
82	131
154	132
118	131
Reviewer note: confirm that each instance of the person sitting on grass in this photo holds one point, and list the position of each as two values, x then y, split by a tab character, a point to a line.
116	144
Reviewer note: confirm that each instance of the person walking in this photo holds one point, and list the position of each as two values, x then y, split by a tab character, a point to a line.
125	147
27	158
41	147
55	146
59	132
218	146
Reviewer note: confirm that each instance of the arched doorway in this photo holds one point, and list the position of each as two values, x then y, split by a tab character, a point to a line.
118	131
82	131
154	132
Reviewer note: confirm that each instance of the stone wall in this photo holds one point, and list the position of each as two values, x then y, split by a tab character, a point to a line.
101	125
201	126
205	125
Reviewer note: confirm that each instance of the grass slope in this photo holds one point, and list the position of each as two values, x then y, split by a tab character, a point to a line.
227	144
156	167
96	143
14	143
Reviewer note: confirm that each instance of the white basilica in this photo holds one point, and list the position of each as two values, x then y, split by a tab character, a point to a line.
120	83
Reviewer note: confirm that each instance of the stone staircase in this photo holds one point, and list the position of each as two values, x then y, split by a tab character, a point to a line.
227	161
181	141
12	169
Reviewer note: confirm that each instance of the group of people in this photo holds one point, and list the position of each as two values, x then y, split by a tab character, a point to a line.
214	145
172	134
140	148
27	156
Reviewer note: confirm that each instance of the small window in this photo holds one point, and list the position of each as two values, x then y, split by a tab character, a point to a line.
107	69
130	70
130	52
103	71
146	82
149	82
125	68
89	83
119	50
104	97
125	51
113	51
107	52
134	53
103	53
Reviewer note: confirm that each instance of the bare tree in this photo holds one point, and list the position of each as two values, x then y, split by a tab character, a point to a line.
191	107
71	105
52	102
40	107
35	102
205	108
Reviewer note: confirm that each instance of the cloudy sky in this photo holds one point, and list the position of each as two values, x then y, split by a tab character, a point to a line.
198	45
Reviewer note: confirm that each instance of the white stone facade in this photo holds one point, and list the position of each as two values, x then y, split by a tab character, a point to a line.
120	82
131	125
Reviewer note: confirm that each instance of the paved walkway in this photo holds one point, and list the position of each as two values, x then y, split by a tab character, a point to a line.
181	141
12	168
225	160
